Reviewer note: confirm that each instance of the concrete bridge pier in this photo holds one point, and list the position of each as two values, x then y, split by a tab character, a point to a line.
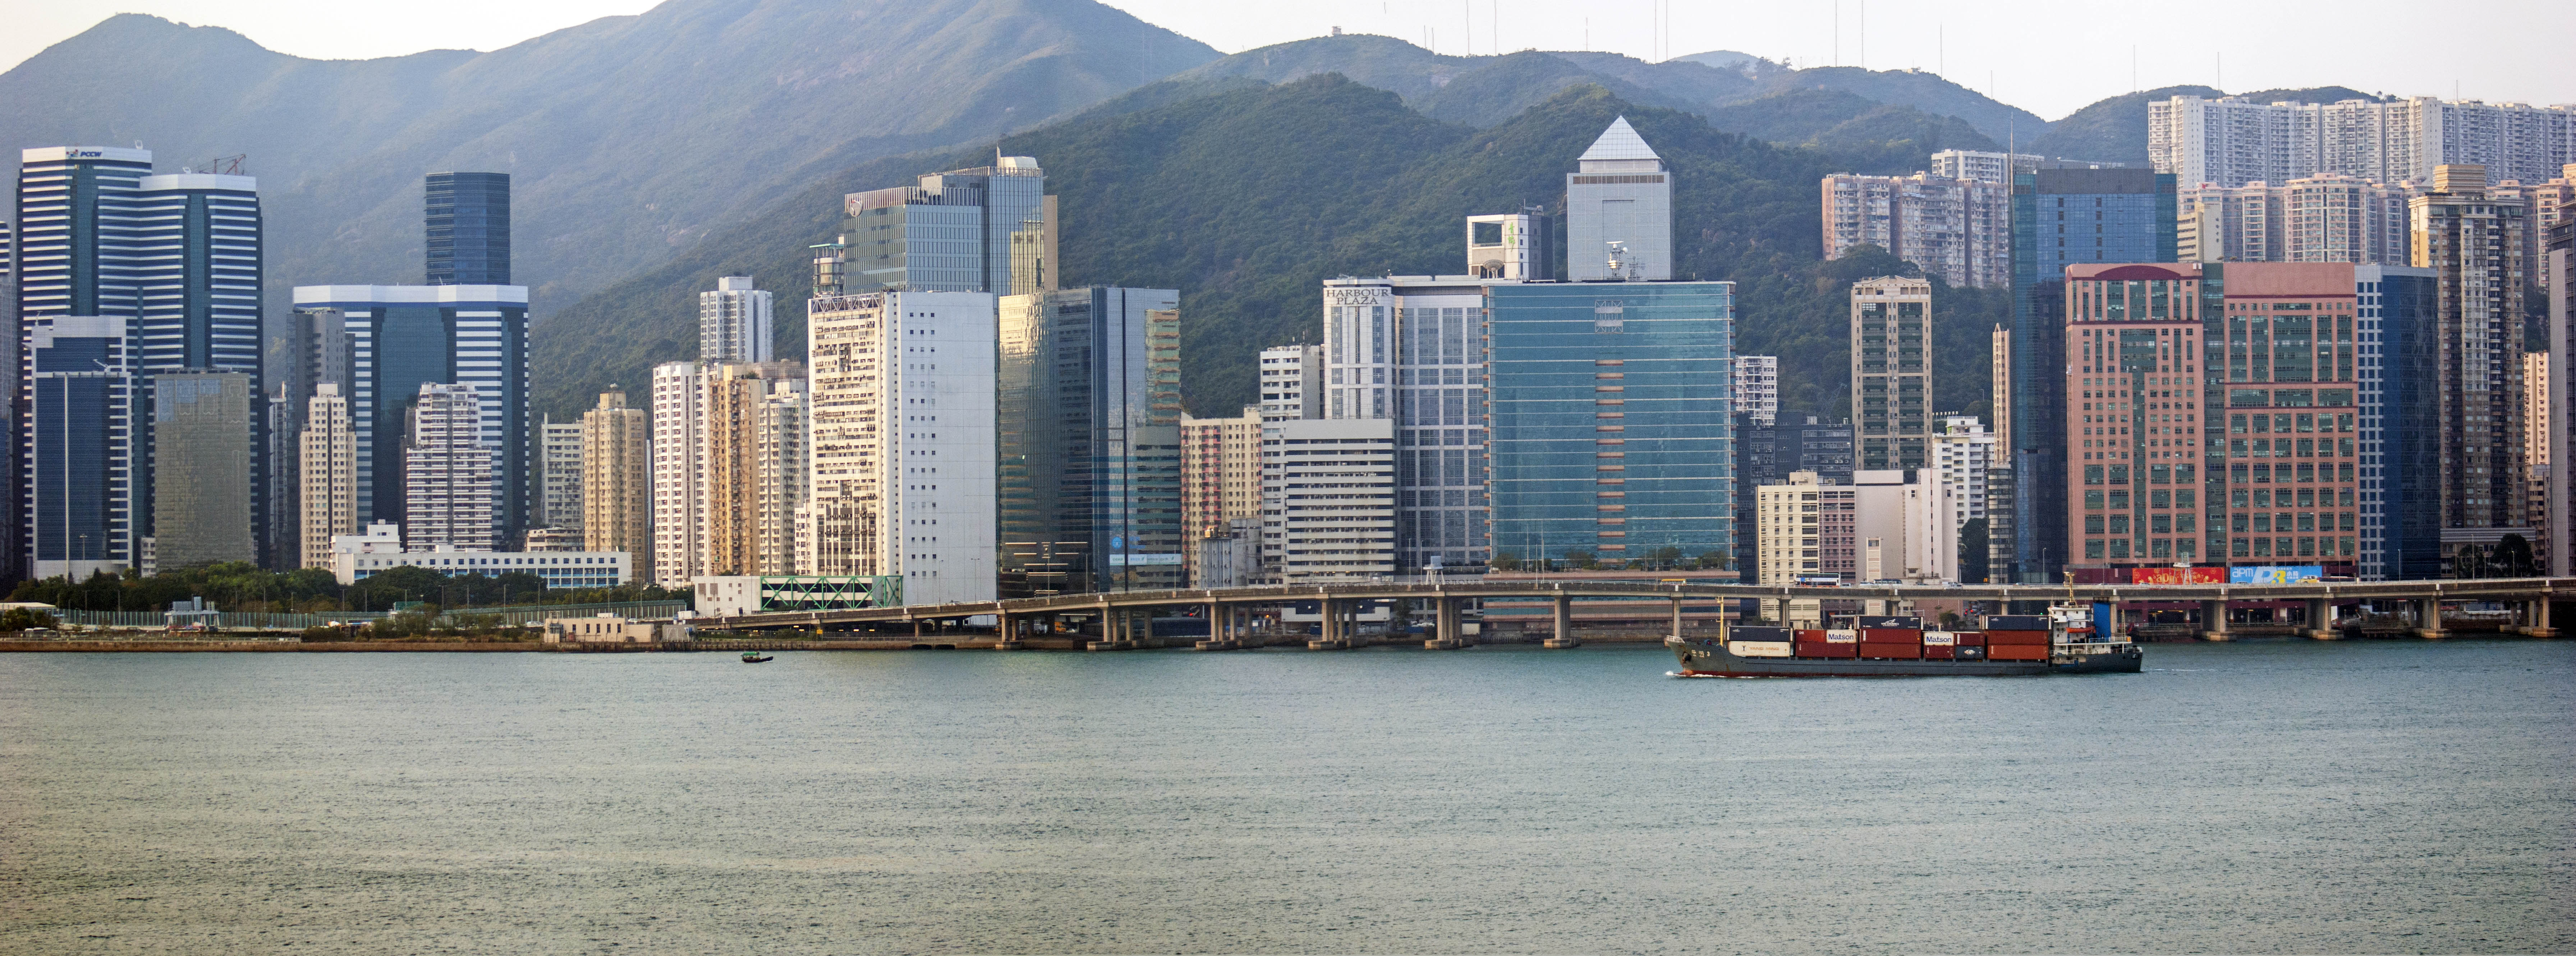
2213	621
1446	632
2321	620
2428	618
1331	638
1563	636
2535	618
1006	632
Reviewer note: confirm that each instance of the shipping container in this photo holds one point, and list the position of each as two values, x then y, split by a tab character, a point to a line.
1941	638
1937	652
2016	622
1842	636
1805	636
1885	635
1969	638
1902	652
1969	653
1899	623
2017	638
2017	652
1828	650
1758	633
1759	648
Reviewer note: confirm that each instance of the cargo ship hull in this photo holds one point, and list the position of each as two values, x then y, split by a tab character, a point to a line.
1708	657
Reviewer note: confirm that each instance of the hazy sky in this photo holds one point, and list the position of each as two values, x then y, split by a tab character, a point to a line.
2048	56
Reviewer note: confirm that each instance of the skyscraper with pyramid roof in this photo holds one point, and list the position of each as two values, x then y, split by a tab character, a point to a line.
1620	194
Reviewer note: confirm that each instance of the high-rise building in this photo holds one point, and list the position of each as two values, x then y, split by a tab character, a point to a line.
2002	542
560	487
1806	529
2473	243
1989	167
2559	244
198	236
903	441
1292	382
680	497
2063	217
329	474
617	481
402	337
2535	408
950	232
754	466
468	224
1220	472
1089	408
1757	388
2133	348
1768	455
1329	499
1957	229
2399	386
1411	349
1891	371
1511	246
77	445
448	492
733	322
313	352
1611	429
2233	141
1961	455
1619	210
2328	217
203	439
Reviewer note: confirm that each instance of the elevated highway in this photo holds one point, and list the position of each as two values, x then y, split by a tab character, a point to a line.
1230	608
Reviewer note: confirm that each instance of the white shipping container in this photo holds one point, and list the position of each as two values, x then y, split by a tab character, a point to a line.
1760	648
1842	636
1940	637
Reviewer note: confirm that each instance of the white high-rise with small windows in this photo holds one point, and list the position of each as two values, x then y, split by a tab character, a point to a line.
734	322
560	505
447	472
1292	382
1757	388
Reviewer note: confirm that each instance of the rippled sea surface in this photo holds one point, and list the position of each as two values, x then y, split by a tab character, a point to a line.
2350	797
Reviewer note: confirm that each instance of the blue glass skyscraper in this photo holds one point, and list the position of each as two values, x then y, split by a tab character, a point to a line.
2399	316
1611	419
2062	217
468	216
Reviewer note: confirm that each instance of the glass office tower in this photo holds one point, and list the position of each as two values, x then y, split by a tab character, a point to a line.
469	228
950	232
1611	420
79	445
2400	382
1089	414
2062	217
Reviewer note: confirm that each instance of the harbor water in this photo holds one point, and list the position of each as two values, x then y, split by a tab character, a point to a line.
2261	796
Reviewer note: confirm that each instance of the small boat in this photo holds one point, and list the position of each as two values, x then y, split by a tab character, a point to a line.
756	657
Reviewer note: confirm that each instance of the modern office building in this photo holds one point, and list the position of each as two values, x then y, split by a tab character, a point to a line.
734	322
1619	210
1512	246
1958	229
903	441
355	558
1768	455
204	436
950	232
2002	542
559	491
1611	430
1891	371
2397	357
1411	349
1757	388
2473	243
2558	243
400	338
1089	409
1292	382
328	468
1329	508
753	466
468	223
2063	217
617	481
448	491
1220	472
2232	141
2328	217
77	445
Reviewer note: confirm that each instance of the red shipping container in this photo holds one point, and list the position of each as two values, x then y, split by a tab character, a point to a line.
1969	638
1937	652
1902	652
1822	649
1810	636
2016	638
2017	652
1880	635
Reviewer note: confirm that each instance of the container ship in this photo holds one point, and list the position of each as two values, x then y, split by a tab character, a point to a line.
2063	641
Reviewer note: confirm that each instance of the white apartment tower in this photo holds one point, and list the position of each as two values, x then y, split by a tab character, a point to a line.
447	472
903	441
330	474
1958	229
1757	388
1961	453
1891	372
1292	382
2231	141
733	322
559	503
1332	484
1619	204
679	473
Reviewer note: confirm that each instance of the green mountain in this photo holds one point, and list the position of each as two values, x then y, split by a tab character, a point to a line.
1926	92
1245	198
1865	136
629	138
